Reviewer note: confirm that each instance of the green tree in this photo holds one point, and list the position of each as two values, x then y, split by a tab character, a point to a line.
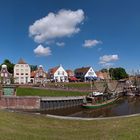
33	67
118	73
10	66
104	70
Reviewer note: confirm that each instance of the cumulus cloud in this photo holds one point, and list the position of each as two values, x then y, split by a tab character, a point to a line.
64	23
61	44
107	59
42	51
91	43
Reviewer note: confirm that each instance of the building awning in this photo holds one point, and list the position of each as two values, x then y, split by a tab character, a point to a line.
72	78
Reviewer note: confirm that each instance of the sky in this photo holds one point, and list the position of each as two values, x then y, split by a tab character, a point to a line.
80	33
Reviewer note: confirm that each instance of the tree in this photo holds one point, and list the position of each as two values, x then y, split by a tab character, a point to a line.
118	73
33	67
10	66
104	70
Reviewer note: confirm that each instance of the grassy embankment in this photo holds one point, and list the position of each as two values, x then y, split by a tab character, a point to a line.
44	92
15	126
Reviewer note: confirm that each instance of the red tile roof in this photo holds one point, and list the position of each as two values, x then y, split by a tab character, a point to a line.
33	73
21	61
53	70
70	72
100	75
82	70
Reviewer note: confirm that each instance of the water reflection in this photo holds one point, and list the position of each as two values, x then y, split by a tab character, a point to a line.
124	106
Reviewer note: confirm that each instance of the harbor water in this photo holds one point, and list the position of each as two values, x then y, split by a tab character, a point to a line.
123	106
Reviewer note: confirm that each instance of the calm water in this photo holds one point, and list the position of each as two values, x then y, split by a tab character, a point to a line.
124	106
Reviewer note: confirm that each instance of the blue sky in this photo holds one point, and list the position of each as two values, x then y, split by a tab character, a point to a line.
95	33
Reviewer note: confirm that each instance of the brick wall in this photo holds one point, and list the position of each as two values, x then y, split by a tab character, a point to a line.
16	102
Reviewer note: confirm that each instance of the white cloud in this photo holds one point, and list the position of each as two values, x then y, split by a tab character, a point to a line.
64	23
42	51
91	43
61	44
107	59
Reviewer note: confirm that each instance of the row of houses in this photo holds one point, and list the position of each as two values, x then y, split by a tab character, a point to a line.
23	74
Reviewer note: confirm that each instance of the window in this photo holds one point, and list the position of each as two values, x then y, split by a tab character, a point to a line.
91	73
17	73
22	73
6	75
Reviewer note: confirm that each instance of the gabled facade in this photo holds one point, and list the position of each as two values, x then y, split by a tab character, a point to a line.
85	73
39	76
58	74
22	72
71	76
70	73
5	76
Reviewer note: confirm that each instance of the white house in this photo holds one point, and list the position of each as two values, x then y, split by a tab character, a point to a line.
58	74
90	74
85	73
22	72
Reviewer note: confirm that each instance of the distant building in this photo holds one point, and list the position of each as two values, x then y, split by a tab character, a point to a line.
70	73
85	74
71	76
39	76
5	76
58	74
100	75
22	72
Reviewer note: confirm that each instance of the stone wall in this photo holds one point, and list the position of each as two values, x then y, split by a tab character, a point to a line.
37	103
16	102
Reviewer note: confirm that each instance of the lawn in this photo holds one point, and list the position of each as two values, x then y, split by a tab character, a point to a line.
44	92
16	126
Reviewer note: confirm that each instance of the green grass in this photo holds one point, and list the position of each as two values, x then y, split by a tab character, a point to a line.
15	126
44	92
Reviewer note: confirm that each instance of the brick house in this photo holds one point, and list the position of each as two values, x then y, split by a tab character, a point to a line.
5	76
39	76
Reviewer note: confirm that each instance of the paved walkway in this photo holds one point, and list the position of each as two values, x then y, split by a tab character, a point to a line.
89	119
